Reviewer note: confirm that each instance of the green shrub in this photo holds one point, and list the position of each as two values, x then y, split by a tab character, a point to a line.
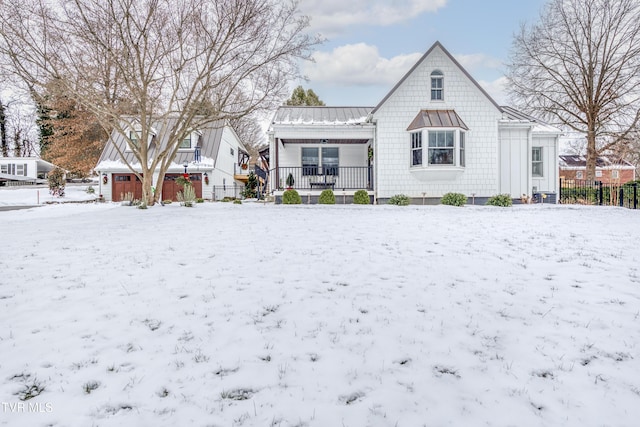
228	199
237	202
399	200
167	202
361	197
327	197
291	197
199	200
454	199
56	182
90	190
187	196
503	200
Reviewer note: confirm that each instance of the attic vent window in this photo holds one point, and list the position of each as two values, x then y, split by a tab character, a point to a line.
437	86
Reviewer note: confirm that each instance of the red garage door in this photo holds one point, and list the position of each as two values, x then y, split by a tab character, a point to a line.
170	188
124	183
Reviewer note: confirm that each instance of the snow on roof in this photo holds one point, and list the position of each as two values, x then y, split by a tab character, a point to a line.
288	115
569	161
510	114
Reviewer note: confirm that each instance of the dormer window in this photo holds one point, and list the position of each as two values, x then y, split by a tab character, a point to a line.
186	142
135	141
437	86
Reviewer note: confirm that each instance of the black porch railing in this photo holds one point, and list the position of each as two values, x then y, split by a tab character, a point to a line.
599	193
319	178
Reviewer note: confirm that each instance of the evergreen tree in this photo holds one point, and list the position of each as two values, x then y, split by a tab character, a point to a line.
251	187
300	97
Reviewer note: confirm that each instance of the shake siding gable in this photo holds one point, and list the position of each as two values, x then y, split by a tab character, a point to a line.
413	94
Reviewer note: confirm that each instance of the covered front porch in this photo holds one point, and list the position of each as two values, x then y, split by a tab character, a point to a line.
318	148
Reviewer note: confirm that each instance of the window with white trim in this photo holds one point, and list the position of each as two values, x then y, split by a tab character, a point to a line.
4	169
579	175
615	174
446	147
186	142
599	174
441	147
536	162
462	161
324	161
135	141
437	86
416	149
21	169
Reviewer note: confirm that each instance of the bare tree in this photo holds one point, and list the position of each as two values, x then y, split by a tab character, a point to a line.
4	145
579	67
136	63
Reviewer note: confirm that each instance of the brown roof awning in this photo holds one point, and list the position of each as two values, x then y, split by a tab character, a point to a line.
437	119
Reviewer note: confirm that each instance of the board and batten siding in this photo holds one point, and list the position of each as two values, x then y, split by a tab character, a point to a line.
514	158
392	151
549	180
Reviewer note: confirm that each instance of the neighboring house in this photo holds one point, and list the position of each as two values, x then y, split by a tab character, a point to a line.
436	131
212	156
608	170
23	170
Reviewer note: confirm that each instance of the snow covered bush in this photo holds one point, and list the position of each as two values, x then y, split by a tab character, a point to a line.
361	197
399	200
454	199
503	200
327	197
291	197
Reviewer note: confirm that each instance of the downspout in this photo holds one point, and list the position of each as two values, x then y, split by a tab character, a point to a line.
277	165
529	160
376	156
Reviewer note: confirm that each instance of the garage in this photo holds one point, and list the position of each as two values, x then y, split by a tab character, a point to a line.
124	183
170	188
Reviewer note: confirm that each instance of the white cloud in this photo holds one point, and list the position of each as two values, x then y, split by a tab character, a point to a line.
331	16
478	60
358	64
497	89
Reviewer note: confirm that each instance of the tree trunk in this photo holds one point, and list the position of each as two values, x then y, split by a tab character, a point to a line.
147	193
592	155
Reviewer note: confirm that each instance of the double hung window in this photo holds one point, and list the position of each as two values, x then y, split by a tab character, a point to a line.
316	161
536	162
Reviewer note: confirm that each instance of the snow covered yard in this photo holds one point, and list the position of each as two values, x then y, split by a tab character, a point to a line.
263	315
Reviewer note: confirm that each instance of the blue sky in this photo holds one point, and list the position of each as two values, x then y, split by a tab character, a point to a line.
371	44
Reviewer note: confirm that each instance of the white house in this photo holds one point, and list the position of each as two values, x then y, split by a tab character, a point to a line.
23	170
436	131
213	156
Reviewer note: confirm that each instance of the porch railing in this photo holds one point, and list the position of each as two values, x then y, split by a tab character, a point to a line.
317	177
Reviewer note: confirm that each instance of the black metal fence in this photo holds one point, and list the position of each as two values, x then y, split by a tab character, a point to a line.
599	193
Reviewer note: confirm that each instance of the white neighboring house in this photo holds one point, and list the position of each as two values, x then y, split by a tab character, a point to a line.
24	170
436	131
213	156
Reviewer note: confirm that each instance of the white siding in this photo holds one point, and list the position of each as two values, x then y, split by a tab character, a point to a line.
514	160
548	182
392	151
350	154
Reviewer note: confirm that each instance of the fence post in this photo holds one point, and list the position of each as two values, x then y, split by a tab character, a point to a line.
621	197
560	192
635	195
600	194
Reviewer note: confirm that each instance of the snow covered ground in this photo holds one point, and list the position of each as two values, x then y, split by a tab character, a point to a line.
271	315
39	195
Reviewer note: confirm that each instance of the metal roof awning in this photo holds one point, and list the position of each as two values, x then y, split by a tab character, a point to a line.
437	119
323	141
